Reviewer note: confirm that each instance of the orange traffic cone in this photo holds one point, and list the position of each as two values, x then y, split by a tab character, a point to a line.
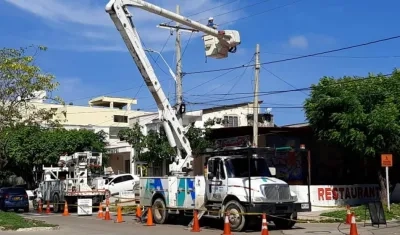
348	215
353	225
119	215
40	207
100	213
196	225
149	218
65	213
107	214
48	207
264	225
227	226
138	213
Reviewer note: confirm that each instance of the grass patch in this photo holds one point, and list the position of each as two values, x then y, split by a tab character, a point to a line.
327	220
125	209
360	213
13	221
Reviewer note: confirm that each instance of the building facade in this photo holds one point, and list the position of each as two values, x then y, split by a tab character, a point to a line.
108	114
227	116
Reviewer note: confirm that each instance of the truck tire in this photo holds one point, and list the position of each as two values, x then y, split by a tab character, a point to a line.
160	213
286	222
56	203
237	219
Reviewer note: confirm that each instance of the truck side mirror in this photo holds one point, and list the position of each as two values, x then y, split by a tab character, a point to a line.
272	170
210	176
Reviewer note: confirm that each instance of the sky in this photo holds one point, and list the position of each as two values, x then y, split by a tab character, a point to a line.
89	59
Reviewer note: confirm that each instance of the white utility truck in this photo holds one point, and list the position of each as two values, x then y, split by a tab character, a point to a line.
179	192
68	181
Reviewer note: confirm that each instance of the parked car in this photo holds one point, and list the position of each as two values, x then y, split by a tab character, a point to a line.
14	198
115	184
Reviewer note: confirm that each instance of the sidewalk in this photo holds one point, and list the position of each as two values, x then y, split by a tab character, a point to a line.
314	215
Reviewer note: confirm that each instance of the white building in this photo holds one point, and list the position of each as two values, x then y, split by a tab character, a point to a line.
235	115
108	114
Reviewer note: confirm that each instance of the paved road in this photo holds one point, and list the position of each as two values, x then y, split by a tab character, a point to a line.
91	225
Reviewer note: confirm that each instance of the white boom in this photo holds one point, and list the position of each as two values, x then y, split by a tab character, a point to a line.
217	45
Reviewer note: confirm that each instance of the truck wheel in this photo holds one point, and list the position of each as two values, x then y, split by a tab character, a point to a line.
286	222
160	213
237	219
56	203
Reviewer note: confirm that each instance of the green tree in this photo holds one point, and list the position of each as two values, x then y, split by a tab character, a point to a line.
199	139
154	147
135	137
20	78
157	146
360	114
30	146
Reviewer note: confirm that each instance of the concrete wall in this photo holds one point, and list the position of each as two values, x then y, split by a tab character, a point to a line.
85	115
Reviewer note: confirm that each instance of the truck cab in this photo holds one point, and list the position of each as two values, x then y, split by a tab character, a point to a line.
241	184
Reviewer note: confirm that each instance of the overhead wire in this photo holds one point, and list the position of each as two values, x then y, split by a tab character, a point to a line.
237	9
299	57
131	88
155	61
267	93
140	87
234	85
262	12
283	80
342	57
273	105
209	9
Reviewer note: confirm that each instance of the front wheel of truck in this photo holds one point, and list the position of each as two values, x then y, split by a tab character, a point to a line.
237	219
286	222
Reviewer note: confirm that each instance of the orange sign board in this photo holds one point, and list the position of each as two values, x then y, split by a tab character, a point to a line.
386	160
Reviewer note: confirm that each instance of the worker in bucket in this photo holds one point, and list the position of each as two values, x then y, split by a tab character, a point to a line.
211	23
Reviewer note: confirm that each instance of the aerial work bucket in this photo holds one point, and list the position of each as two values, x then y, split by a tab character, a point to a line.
218	48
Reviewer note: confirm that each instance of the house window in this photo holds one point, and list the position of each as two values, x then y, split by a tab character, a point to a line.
113	132
120	118
231	121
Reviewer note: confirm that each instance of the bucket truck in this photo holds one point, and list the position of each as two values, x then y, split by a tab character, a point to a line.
179	192
68	181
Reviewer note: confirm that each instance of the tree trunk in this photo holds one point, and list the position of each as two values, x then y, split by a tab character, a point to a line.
382	185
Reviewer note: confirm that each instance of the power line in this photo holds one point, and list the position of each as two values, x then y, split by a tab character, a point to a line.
238	9
198	13
131	88
212	79
237	81
266	93
275	107
221	75
155	61
344	57
263	12
300	57
283	80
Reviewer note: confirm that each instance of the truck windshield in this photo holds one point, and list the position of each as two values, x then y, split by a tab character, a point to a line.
239	167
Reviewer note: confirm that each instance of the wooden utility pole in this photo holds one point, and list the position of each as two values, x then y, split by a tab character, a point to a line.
256	105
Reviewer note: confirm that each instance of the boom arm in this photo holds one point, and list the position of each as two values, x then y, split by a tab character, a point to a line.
117	9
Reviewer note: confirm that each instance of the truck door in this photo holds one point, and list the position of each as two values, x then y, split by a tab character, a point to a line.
216	182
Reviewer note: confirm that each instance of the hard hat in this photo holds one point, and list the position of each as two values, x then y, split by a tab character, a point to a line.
210	18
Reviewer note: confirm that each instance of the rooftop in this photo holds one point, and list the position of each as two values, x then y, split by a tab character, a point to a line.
112	102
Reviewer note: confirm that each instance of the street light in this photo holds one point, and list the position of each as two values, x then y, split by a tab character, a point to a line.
169	68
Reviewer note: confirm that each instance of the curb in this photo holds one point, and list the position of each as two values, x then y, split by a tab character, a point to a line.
34	229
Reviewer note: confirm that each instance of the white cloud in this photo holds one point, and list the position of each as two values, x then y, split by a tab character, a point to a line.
300	42
87	26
